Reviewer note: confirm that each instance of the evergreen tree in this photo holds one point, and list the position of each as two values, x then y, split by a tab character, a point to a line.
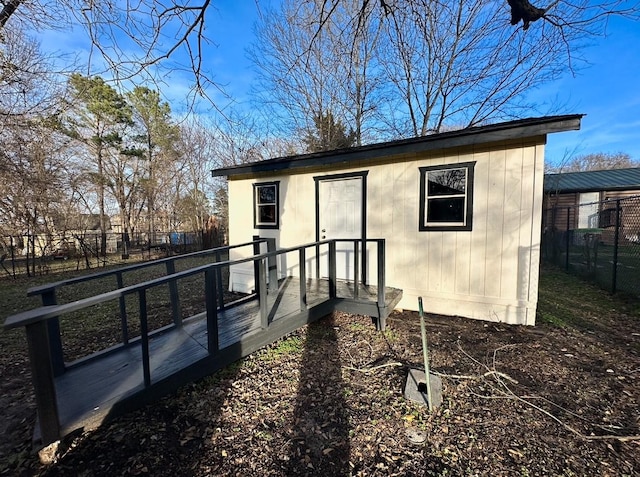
329	134
97	117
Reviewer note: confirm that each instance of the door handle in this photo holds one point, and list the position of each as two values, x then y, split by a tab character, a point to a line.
323	230
324	237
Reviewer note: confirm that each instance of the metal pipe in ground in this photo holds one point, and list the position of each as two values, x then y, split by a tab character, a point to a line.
425	354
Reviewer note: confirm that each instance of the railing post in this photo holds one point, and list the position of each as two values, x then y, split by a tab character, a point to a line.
55	341
567	239
382	320
256	271
272	265
219	280
42	375
144	338
212	311
173	294
123	310
13	256
317	267
332	269
616	240
356	267
262	294
303	279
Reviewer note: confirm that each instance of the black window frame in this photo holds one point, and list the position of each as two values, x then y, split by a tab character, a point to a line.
266	225
467	224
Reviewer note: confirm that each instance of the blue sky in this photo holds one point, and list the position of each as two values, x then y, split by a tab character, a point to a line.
607	90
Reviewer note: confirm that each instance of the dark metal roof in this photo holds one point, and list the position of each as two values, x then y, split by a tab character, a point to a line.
592	181
518	129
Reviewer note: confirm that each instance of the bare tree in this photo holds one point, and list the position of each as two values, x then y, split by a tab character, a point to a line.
437	65
308	70
156	135
28	90
35	191
149	36
597	161
26	83
192	175
34	174
456	64
459	65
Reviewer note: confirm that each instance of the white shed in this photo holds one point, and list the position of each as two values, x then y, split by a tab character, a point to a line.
460	213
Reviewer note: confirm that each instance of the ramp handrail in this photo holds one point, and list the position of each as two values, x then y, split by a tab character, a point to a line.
42	354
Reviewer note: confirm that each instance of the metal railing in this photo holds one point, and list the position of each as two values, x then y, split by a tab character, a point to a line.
39	254
599	241
42	324
49	297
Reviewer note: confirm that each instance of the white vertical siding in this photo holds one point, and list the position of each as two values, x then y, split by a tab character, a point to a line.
512	223
478	236
490	272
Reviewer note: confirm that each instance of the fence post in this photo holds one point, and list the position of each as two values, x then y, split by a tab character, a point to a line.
567	239
125	245
553	239
13	256
616	239
97	253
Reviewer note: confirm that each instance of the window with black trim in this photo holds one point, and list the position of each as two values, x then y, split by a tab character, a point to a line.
265	205
446	197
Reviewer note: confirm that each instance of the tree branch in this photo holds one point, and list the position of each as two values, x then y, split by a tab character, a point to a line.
9	8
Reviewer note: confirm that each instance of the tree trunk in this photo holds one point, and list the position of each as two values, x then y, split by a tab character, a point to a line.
103	222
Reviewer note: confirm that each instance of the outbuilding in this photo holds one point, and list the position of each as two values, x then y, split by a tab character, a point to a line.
460	213
589	197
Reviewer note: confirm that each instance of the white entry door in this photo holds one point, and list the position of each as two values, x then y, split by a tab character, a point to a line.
340	217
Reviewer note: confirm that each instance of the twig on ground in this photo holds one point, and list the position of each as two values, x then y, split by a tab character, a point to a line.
507	393
375	368
476	377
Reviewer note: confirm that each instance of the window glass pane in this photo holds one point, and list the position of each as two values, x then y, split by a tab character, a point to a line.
267	214
445	210
447	182
266	195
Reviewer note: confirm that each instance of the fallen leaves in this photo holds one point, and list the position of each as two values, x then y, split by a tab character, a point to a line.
329	402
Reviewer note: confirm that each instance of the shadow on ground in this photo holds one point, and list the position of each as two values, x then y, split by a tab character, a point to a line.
321	424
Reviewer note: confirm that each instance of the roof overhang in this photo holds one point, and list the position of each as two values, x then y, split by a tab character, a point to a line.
627	179
512	130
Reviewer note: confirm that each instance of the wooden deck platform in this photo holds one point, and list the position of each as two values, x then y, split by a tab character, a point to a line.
141	369
112	382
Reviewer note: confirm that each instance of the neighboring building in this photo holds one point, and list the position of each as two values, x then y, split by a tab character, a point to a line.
584	200
460	212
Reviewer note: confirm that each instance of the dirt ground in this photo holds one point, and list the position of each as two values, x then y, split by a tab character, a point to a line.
560	398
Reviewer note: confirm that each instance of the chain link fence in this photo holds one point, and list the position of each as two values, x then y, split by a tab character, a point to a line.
599	241
38	254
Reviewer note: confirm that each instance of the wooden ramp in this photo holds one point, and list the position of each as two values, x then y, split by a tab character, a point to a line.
84	393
